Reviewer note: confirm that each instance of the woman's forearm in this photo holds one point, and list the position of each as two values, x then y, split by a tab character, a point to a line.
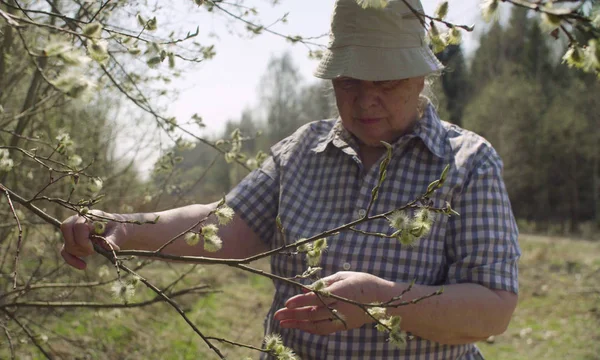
463	313
239	241
170	223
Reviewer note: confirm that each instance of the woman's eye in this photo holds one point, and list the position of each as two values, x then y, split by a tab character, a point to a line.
347	84
388	84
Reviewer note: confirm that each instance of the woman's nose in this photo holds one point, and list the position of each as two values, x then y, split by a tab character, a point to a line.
367	96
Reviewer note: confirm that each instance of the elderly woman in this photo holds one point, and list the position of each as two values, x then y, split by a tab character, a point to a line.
321	177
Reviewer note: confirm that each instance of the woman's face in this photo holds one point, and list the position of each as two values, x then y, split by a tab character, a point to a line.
376	111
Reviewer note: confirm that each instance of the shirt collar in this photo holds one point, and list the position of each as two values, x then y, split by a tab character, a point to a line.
429	129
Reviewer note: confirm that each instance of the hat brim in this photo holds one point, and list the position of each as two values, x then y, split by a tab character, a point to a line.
377	64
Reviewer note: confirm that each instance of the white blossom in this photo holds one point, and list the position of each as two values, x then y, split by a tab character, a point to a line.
192	238
224	214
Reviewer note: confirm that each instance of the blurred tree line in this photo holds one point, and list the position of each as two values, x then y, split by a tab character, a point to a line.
543	120
541	116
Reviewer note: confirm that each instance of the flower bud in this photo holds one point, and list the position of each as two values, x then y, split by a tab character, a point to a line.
212	243
209	230
406	238
134	50
320	244
377	312
574	57
271	341
171	58
399	220
151	24
192	238
424	215
304	247
453	37
224	214
398	338
229	157
140	20
313	257
6	163
433	186
442	10
489	10
420	229
99	227
318	285
93	30
74	161
95	185
98	50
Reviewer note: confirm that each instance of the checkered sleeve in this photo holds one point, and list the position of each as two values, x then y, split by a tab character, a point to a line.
255	199
482	243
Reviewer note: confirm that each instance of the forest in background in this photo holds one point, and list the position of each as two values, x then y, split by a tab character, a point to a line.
541	117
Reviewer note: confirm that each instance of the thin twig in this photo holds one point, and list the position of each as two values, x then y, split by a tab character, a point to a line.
102	6
184	232
29	334
9	19
237	344
97	305
20	238
421	16
255	26
170	301
10	343
332	310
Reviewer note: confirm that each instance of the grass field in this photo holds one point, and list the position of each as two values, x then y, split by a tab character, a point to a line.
558	316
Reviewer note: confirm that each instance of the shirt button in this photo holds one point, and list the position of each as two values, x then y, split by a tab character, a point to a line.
346	266
362	212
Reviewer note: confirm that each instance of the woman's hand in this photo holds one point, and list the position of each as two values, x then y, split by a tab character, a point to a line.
311	313
77	231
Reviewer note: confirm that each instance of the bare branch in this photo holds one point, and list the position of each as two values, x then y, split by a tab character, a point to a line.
30	335
20	238
10	343
97	305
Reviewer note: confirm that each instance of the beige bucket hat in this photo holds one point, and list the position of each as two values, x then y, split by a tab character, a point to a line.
377	44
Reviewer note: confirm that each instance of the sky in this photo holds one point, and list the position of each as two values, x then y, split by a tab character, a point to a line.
219	89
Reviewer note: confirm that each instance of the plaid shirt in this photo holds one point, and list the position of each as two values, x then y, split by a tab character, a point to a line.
315	181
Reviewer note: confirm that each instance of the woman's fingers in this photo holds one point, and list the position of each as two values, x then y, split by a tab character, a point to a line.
81	236
308	299
77	244
307	313
72	259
